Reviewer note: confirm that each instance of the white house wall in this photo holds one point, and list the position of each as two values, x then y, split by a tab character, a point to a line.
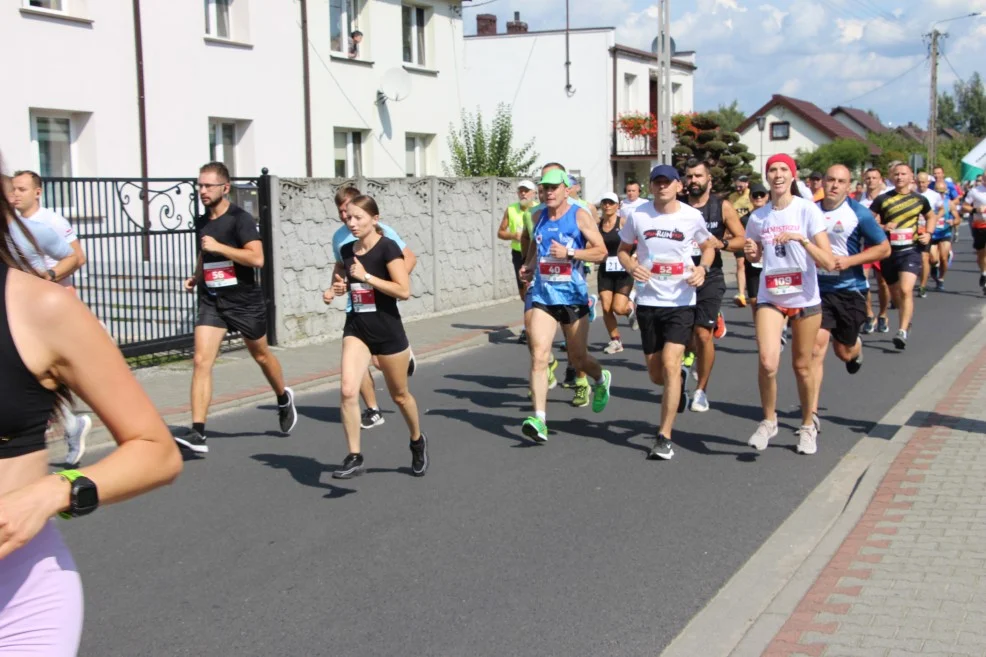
849	123
803	135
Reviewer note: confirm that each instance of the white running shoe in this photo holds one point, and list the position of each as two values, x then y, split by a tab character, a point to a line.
77	442
700	402
614	347
765	431
807	440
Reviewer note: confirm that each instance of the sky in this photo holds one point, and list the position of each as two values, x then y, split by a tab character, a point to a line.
860	53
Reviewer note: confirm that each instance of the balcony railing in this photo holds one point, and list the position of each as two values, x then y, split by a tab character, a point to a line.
626	146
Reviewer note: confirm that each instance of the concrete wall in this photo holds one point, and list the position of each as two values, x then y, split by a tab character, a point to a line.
450	224
803	135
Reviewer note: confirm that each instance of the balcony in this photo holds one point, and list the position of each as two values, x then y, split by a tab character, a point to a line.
626	147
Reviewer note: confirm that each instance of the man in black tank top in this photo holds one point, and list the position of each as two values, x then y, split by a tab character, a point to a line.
720	217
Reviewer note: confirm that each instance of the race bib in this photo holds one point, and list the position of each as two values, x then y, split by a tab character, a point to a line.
667	271
941	224
555	270
696	250
783	281
364	298
613	264
902	237
219	274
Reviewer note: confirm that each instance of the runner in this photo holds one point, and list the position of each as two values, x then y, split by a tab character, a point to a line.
815	185
372	274
929	253
720	217
881	323
564	234
665	232
743	204
613	281
758	196
842	288
371	417
947	230
975	203
49	341
632	200
512	228
789	236
229	298
25	189
898	212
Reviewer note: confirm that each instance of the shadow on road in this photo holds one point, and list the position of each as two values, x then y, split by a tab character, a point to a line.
306	471
491	381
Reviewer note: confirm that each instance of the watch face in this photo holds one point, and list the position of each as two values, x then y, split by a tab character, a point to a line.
86	497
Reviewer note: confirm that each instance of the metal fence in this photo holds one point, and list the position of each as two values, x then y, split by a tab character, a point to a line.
139	239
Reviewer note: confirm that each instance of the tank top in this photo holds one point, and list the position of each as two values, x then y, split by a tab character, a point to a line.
712	213
611	238
25	404
515	223
559	281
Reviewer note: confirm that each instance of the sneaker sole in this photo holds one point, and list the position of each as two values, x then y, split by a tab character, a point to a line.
698	409
198	449
805	452
657	456
373	424
580	405
532	433
424	469
82	440
349	474
294	410
900	344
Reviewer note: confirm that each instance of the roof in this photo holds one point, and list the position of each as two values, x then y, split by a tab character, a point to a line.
651	57
952	133
811	113
866	120
537	32
911	131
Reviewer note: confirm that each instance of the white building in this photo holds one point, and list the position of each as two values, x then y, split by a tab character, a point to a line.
225	79
570	113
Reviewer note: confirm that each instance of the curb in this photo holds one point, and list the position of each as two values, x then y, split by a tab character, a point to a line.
752	607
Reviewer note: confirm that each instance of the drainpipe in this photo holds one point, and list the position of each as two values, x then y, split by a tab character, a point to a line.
142	129
306	85
613	164
568	60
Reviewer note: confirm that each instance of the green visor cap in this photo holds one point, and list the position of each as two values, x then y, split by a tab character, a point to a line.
554	177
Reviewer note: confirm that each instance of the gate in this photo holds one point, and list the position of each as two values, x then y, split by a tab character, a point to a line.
139	238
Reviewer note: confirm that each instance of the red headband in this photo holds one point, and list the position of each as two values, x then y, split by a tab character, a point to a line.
784	158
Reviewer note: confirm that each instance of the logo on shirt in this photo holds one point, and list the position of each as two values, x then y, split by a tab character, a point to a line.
838	227
780	250
675	234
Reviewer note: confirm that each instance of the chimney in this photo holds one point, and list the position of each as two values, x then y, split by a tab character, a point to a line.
486	25
516	26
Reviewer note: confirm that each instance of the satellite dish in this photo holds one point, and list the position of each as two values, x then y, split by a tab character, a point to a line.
395	85
655	46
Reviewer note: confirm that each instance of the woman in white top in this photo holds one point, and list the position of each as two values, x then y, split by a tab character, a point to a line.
788	235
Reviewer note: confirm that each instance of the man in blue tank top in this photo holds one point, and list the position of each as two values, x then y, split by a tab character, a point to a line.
563	237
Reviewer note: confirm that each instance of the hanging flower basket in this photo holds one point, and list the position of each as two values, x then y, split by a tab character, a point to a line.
637	125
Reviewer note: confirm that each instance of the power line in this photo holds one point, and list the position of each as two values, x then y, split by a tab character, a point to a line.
945	57
879	10
885	84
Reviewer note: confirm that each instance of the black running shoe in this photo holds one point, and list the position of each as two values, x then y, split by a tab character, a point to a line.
287	415
193	441
683	399
522	338
853	365
352	466
982	280
371	418
662	449
412	364
569	381
419	456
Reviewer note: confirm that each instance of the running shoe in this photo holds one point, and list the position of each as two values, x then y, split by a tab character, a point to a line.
700	402
662	449
853	365
740	300
683	397
720	330
522	338
593	302
552	366
287	415
193	441
922	292
951	254
783	340
868	326
940	285
634	324
569	381
371	418
77	441
882	325
581	397
765	431
934	272
982	280
352	466
535	429
807	440
900	340
412	363
419	456
688	361
816	422
600	393
614	347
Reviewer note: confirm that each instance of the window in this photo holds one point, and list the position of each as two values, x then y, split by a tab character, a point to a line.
217	18
780	130
344	27
222	143
348	154
416	155
414	20
54	5
53	136
629	91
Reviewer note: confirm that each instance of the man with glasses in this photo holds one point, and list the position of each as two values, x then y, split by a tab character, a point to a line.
229	299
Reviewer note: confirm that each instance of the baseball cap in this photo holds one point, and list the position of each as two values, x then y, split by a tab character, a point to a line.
609	196
664	171
815	175
757	188
743	179
555	177
526	184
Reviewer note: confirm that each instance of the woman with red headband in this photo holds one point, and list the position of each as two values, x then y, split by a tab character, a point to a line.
788	235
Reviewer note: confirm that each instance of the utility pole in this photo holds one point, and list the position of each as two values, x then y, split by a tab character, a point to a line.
933	111
665	141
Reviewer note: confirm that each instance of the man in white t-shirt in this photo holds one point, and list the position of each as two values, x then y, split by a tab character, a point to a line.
938	207
666	280
975	203
632	201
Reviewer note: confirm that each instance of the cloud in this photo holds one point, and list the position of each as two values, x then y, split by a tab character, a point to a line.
790	87
850	31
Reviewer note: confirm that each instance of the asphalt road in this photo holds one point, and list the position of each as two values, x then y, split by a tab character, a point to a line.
577	547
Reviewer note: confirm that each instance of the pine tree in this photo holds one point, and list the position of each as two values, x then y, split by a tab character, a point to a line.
700	138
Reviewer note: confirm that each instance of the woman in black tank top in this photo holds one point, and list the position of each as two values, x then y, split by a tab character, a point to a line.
614	283
50	341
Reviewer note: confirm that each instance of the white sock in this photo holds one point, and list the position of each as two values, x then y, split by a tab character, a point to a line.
541	415
599	381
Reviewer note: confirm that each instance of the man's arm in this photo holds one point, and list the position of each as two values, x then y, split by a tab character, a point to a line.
251	255
503	233
595	250
735	227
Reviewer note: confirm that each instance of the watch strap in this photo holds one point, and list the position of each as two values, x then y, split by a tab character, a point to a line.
70	476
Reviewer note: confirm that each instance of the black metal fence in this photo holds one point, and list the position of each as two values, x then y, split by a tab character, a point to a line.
139	239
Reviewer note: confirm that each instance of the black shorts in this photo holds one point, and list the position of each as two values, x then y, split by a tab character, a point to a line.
752	281
564	315
978	238
617	283
660	325
899	262
382	333
843	313
939	240
244	313
518	262
708	299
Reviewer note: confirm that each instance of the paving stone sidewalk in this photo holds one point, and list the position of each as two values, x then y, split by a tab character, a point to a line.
910	579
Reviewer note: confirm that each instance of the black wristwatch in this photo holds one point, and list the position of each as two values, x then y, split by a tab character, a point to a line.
84	498
52	274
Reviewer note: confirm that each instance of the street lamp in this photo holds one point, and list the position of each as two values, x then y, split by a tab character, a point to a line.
761	124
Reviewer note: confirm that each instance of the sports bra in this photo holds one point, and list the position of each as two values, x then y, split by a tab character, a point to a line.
25	404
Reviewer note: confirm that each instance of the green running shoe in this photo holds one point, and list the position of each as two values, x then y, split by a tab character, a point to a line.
600	393
688	360
581	397
552	381
535	429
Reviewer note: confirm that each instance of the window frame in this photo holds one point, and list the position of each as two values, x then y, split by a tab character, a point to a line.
62	5
354	152
629	91
420	154
418	37
217	145
36	140
348	25
780	124
212	16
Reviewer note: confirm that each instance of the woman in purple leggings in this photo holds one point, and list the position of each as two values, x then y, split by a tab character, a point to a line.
51	344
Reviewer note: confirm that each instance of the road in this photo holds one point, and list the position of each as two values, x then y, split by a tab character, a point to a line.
577	547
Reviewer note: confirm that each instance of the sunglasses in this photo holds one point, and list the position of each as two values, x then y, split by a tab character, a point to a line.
758	195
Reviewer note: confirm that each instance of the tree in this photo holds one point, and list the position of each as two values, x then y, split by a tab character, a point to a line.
728	117
478	151
972	105
850	152
948	113
700	137
895	146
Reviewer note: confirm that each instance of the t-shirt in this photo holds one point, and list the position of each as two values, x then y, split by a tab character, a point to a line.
363	297
848	226
51	246
903	210
937	205
221	276
950	195
664	245
976	197
344	236
627	207
62	228
790	278
742	203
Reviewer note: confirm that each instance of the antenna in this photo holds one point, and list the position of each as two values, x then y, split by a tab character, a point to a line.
395	85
